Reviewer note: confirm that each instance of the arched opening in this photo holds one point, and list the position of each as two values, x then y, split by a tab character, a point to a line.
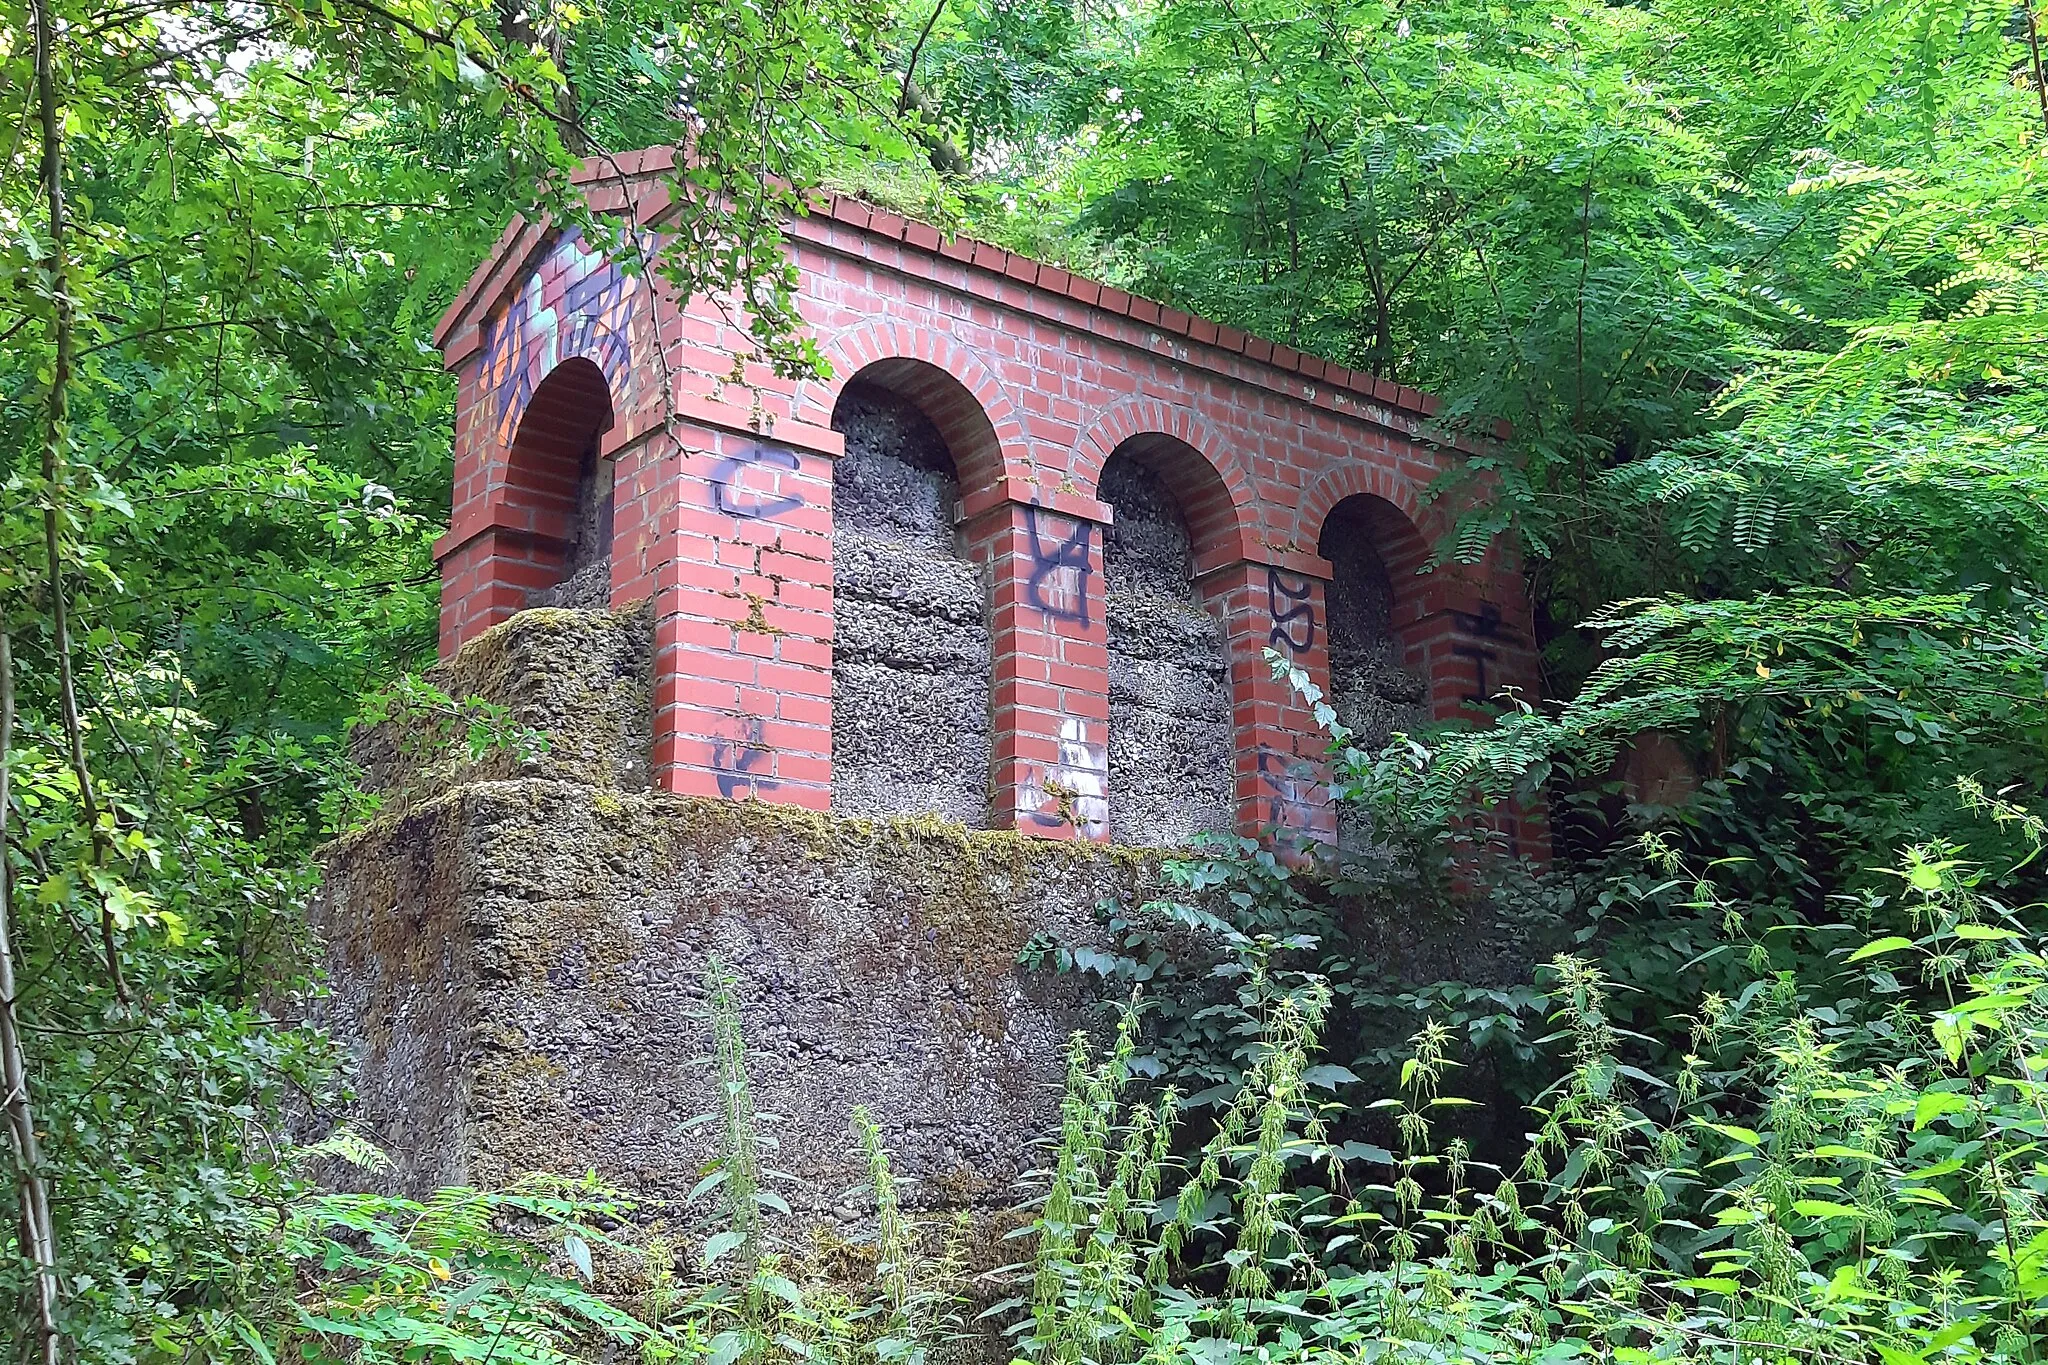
555	469
947	406
1371	688
911	658
1171	738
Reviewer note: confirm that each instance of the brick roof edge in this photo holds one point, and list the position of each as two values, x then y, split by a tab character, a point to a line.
866	218
928	240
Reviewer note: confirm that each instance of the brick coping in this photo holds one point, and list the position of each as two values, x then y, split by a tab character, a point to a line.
994	260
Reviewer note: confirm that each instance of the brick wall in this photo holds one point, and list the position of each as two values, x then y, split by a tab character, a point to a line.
723	497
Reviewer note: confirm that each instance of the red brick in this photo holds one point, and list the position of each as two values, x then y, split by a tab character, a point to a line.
1063	387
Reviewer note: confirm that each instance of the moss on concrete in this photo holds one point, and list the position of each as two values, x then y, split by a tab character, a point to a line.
582	679
561	936
519	957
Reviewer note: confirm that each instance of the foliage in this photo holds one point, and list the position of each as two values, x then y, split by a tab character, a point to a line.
446	1280
767	1306
1845	1167
1246	929
225	231
1759	287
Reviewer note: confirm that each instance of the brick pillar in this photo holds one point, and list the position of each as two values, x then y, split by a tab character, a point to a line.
488	572
513	507
1469	630
1050	693
1282	778
472	597
731	534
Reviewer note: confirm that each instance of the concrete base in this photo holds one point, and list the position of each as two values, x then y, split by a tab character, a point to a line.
520	965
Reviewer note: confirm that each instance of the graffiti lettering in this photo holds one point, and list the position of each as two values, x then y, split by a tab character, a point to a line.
1480	659
1072	793
729	497
1484	624
1292	792
1294	628
575	303
1058	582
736	760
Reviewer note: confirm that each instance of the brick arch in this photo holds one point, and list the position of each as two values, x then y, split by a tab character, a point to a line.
567	411
1214	491
1405	545
574	303
982	427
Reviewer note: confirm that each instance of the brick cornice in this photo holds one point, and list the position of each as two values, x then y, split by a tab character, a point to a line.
1252	551
1004	278
1000	264
498	515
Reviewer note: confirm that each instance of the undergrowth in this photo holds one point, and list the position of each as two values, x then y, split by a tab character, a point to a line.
1841	1167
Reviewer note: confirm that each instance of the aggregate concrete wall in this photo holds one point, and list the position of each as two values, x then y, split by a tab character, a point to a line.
1371	689
587	570
518	953
518	947
581	679
910	650
1171	736
522	965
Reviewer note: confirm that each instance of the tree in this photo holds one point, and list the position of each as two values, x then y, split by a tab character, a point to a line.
224	231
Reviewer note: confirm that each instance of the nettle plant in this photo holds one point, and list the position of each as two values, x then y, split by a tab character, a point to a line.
1840	1169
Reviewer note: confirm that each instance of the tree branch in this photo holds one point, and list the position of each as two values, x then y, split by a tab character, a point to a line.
910	67
56	432
32	1195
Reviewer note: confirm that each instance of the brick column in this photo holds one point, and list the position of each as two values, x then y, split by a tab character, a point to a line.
1050	693
489	570
731	534
509	524
1470	631
1282	778
493	553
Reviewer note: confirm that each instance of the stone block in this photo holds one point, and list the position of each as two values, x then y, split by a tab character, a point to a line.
520	968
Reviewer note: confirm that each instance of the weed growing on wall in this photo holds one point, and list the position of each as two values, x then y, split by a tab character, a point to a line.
554	1271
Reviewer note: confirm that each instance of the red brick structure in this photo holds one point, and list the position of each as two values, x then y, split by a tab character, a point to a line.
721	501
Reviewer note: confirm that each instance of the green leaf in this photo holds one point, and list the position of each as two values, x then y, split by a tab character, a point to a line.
1876	947
1712	1284
1950	1335
579	1256
722	1245
253	1339
1936	1103
782	1287
1329	1077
